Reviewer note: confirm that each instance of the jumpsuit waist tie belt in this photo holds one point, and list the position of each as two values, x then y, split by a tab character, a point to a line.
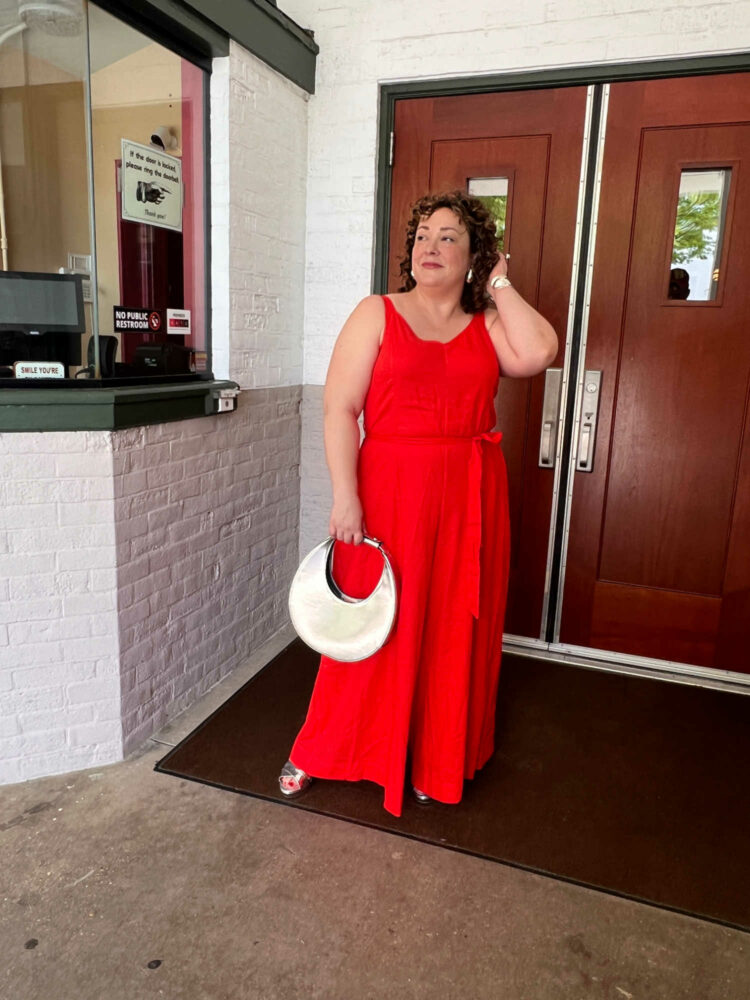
474	522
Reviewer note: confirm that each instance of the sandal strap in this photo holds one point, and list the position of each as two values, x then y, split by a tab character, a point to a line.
290	771
293	777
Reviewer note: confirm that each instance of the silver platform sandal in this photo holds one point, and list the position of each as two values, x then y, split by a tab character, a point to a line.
420	796
293	781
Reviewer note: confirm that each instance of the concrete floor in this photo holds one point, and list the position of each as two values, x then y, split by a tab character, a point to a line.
107	871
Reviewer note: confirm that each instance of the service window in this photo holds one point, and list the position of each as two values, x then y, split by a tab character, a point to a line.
102	226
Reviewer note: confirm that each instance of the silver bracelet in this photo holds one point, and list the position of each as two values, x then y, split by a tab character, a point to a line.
500	281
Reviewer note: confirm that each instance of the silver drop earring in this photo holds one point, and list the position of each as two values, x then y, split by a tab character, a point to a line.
470	275
411	273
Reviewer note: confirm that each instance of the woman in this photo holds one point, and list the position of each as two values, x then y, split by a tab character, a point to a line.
429	482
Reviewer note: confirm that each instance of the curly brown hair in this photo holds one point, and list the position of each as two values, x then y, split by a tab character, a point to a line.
482	243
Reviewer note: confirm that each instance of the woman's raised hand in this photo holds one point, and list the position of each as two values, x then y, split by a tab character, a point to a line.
346	523
500	269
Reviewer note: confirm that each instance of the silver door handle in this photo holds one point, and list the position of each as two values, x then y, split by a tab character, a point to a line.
550	417
585	447
592	382
545	455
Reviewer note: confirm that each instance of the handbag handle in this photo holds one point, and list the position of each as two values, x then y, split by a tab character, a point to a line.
333	586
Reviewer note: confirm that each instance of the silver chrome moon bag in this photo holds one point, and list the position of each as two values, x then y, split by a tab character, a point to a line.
334	624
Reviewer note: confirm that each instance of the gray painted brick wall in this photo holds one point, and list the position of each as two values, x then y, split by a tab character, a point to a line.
206	520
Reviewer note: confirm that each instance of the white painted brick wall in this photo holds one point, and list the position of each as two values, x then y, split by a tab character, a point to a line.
366	42
59	684
207	518
259	170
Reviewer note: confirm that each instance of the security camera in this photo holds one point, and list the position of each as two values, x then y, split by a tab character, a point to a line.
162	138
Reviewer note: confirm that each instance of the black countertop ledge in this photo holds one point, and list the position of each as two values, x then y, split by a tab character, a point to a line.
107	408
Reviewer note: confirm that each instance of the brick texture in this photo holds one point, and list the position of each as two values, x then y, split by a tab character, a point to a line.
206	516
111	628
315	482
59	690
259	170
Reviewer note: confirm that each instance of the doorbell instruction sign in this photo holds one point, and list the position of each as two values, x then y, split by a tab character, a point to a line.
151	186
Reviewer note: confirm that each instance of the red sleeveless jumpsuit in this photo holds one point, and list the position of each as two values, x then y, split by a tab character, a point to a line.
433	487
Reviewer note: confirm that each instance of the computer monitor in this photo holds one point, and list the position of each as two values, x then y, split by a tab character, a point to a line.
45	311
35	303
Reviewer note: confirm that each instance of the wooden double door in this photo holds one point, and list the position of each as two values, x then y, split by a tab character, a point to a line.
630	488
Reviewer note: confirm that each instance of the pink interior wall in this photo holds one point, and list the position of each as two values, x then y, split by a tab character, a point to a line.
193	220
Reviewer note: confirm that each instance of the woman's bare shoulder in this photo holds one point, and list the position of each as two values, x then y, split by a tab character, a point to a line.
370	305
367	319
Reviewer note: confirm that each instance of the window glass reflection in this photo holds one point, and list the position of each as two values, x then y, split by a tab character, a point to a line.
147	122
698	234
493	192
130	302
45	225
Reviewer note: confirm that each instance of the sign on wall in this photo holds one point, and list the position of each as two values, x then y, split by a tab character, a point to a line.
151	186
178	321
126	320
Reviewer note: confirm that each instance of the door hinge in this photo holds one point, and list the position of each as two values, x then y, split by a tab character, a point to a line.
390	151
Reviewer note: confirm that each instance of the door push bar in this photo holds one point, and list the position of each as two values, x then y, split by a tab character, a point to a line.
550	418
592	381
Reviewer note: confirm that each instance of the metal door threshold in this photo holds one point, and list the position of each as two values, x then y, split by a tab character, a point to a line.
626	663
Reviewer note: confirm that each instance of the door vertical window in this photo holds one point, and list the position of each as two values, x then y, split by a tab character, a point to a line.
698	234
493	193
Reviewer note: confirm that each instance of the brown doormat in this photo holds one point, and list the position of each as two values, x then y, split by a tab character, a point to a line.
636	787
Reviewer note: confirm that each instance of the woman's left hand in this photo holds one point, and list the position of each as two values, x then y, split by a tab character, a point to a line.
499	270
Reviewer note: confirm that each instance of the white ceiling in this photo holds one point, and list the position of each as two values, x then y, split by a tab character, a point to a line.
111	40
